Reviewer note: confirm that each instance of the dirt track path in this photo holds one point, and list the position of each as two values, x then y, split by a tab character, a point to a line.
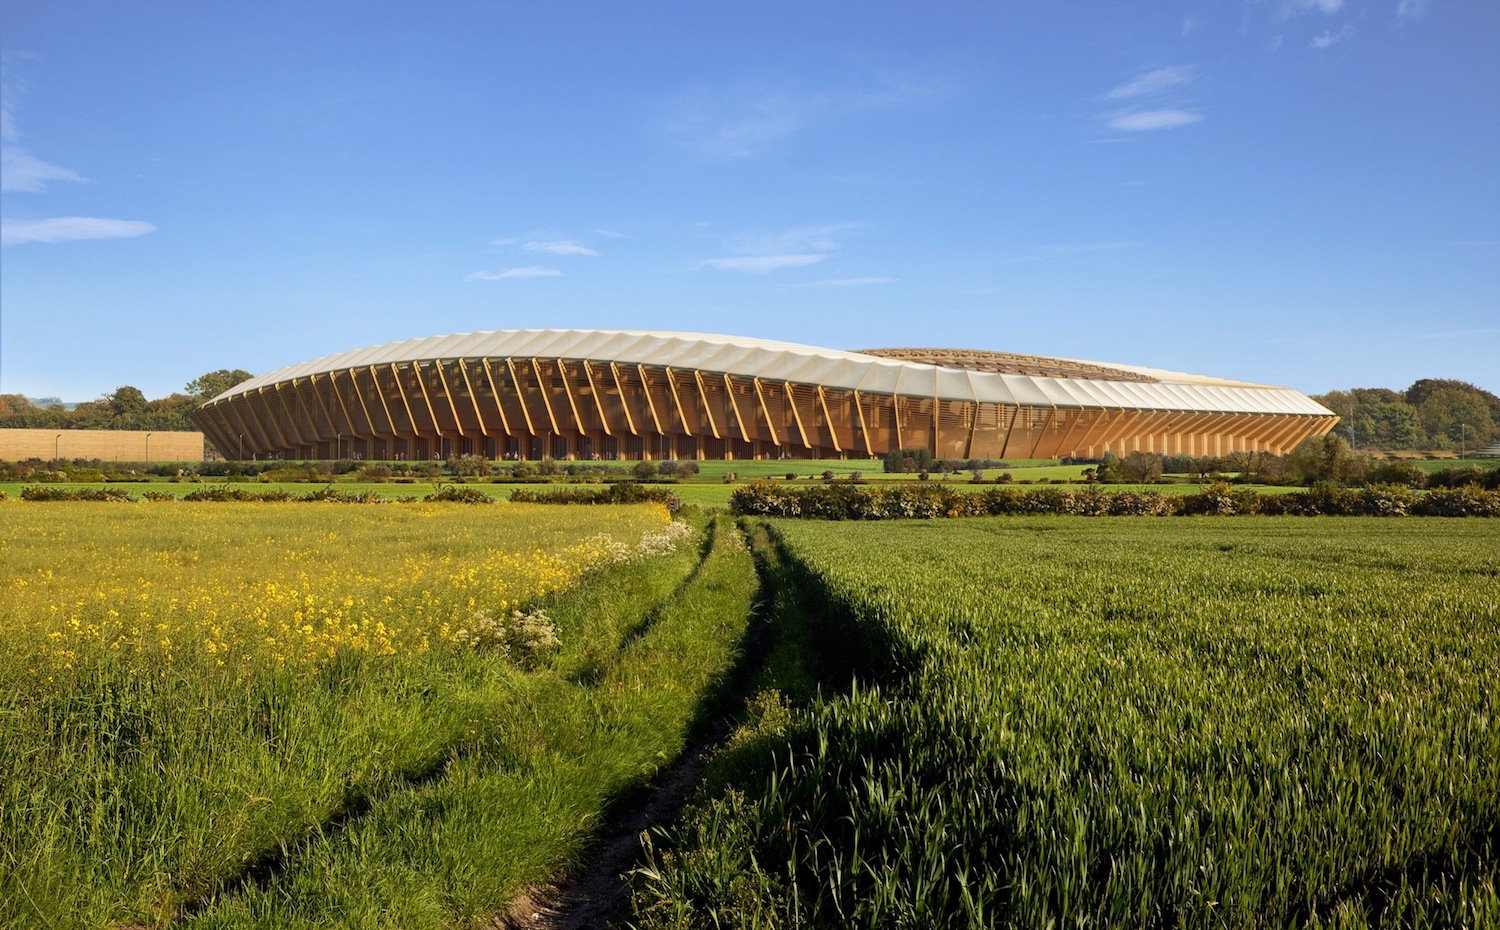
597	895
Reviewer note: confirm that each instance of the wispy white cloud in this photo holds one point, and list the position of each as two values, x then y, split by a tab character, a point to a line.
745	120
21	171
530	271
796	247
848	282
1153	100
558	247
761	264
1411	9
1326	7
70	229
1144	120
1151	83
610	234
1330	38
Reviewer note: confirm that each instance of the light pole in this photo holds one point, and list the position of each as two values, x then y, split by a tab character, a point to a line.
338	445
148	448
1463	439
56	445
242	447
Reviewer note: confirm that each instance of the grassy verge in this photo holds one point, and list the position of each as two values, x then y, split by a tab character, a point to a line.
363	783
1244	723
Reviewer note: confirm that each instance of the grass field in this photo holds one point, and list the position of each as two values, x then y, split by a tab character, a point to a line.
228	715
1238	723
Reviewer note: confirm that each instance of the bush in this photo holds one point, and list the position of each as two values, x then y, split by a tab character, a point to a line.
110	495
447	493
623	492
1406	474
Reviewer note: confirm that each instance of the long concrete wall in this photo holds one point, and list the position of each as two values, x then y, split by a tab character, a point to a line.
109	445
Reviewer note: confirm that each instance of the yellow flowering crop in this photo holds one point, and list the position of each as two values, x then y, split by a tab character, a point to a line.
243	586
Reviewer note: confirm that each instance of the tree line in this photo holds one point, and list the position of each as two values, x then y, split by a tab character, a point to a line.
126	407
1434	413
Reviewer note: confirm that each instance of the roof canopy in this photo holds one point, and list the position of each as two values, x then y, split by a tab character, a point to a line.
967	376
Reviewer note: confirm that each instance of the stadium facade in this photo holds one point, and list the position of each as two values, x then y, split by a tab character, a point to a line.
620	394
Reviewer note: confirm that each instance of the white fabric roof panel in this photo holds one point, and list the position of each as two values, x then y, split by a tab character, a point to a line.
831	368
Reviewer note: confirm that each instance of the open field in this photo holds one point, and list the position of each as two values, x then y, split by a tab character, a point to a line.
229	715
1233	723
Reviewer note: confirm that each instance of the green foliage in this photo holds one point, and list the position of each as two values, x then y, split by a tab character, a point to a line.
1150	725
416	789
447	493
909	461
620	492
1324	498
207	386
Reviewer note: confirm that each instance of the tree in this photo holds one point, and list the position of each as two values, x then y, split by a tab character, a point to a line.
1454	415
126	403
211	385
1141	467
1387	426
1326	458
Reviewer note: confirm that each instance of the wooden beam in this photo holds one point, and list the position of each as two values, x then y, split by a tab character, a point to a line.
333	384
677	400
796	414
614	369
598	403
541	387
312	381
473	399
411	419
416	369
833	432
499	406
734	405
651	404
520	395
562	369
703	398
864	429
448	394
766	412
359	395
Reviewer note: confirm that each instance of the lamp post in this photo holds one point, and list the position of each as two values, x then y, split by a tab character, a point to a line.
148	448
56	445
338	445
1463	439
242	447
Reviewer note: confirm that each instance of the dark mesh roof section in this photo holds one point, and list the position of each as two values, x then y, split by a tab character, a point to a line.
1008	363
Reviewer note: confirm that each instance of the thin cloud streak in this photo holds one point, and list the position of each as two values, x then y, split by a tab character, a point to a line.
559	247
70	229
848	282
760	264
1146	120
1330	38
1151	83
529	271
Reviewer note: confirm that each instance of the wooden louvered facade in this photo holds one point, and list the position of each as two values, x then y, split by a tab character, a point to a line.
532	406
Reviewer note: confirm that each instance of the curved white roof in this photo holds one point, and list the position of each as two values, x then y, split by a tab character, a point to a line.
832	368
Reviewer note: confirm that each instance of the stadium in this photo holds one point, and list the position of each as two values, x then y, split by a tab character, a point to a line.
623	394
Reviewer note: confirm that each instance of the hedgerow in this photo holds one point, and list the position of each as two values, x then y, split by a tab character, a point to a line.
852	502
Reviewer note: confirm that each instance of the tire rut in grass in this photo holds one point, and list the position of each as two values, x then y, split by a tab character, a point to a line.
597	893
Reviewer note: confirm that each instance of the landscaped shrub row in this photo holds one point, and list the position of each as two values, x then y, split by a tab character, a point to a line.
847	502
620	493
220	493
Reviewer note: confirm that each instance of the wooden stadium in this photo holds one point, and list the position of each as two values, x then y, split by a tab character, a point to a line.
622	394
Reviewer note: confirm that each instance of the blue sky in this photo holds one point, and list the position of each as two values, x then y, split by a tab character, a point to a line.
1297	192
